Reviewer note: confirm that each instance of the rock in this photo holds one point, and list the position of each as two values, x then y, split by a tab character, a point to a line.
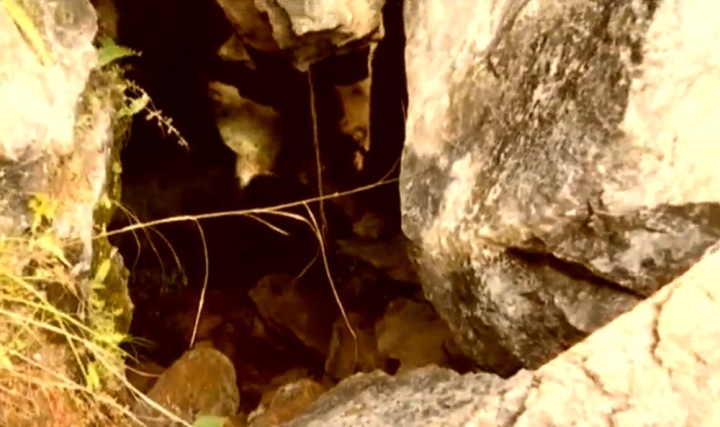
301	308
355	122
389	256
143	375
423	397
655	365
285	403
59	173
347	356
308	31
234	50
201	382
413	334
551	185
107	18
251	130
251	25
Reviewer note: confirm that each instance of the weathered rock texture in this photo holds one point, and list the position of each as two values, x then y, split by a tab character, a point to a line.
251	130
306	30
553	180
201	382
658	365
58	174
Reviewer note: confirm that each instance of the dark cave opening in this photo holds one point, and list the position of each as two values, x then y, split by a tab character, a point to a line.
170	263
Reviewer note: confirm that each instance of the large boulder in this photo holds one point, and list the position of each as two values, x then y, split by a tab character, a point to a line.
560	163
657	365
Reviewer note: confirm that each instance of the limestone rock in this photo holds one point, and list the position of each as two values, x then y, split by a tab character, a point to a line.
59	173
657	365
250	129
201	382
308	30
427	396
251	25
559	167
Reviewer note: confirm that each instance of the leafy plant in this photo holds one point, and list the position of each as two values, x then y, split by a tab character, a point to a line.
109	52
210	421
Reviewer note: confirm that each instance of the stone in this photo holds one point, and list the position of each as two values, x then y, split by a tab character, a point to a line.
389	256
658	364
249	129
107	18
421	397
558	165
285	403
292	304
143	375
412	333
201	382
307	30
355	121
348	355
251	25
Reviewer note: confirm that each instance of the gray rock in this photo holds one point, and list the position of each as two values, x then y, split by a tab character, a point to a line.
58	172
40	87
308	30
657	365
58	157
428	396
552	181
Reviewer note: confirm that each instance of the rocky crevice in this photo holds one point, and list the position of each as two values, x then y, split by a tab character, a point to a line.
242	100
544	191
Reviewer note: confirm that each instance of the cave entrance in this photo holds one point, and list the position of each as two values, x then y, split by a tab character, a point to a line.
268	302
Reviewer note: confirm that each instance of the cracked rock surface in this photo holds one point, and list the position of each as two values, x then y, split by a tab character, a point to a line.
655	365
553	181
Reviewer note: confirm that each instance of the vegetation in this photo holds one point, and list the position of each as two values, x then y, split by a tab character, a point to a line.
60	333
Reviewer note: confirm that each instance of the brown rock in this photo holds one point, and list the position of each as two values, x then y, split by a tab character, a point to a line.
343	360
412	333
250	24
201	382
306	310
389	256
355	122
143	375
285	403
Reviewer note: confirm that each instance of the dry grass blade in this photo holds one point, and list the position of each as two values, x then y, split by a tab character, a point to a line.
201	301
243	212
318	161
321	242
131	215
